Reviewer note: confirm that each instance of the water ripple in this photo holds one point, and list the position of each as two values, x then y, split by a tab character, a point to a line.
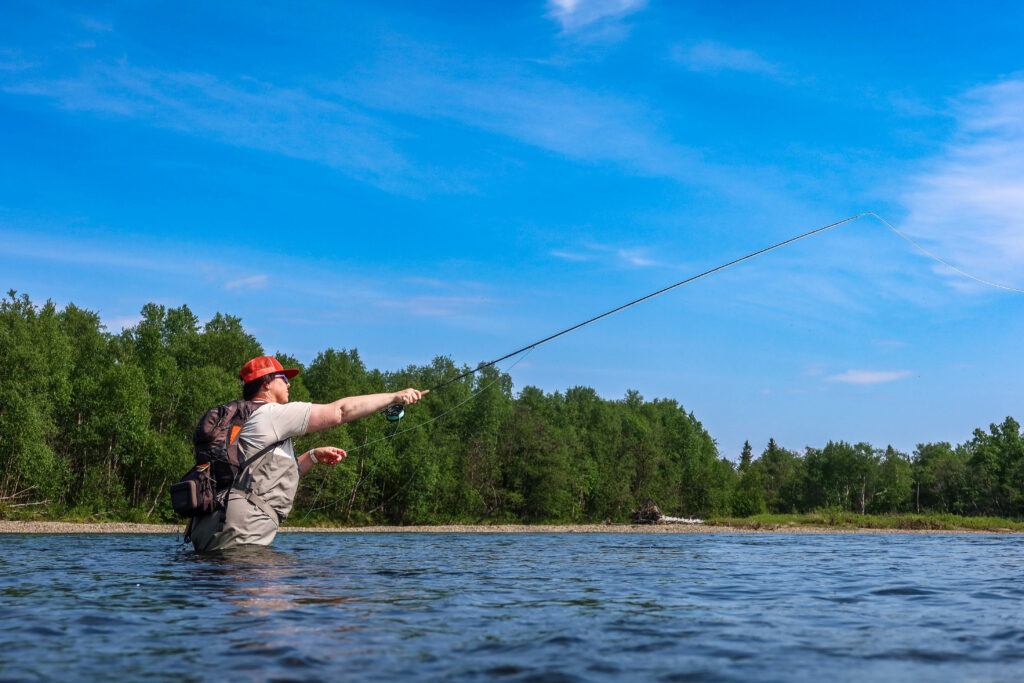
515	608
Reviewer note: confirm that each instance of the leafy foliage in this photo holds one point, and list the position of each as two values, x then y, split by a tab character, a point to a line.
101	424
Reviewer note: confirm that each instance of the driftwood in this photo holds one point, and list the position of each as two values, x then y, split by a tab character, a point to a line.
25	505
647	514
16	495
680	520
650	514
5	505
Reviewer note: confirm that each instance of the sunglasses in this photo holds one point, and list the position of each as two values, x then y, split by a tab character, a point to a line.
281	375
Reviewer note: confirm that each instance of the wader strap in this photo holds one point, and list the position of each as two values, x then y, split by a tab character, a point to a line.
249	495
245	463
262	505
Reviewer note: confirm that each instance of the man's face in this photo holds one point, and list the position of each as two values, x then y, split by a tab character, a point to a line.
278	388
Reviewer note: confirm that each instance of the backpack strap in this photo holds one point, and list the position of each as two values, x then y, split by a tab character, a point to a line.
248	461
251	495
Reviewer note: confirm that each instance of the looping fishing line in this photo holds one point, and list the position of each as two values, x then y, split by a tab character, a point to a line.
398	431
623	307
940	260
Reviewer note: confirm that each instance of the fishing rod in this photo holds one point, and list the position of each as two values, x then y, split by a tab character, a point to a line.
396	412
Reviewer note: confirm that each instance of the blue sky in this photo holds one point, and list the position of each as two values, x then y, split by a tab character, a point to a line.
461	179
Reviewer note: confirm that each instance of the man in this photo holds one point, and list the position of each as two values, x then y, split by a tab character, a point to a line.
263	495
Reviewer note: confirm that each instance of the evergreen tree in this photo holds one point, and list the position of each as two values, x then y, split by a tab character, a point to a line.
746	456
781	478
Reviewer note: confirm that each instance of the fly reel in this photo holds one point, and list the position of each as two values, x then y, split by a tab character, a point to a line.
394	413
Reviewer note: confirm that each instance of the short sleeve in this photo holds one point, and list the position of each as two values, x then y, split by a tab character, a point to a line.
289	419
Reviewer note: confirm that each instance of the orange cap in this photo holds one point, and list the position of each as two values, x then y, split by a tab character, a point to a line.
264	365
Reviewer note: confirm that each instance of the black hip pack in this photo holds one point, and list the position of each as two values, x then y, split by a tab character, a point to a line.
194	495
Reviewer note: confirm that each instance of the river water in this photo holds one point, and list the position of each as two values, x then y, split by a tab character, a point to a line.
557	607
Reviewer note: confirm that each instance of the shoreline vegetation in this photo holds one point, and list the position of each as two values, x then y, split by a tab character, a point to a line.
95	426
820	522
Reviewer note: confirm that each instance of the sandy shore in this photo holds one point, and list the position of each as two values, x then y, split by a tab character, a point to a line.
11	527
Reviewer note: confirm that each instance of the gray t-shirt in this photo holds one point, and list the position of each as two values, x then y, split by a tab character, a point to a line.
274	478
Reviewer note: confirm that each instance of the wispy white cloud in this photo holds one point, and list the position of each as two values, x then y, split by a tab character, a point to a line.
251	282
343	126
889	344
575	256
870	376
574	15
436	306
967	204
347	124
712	57
244	112
911	105
444	285
534	109
428	282
94	25
176	269
12	60
39	247
636	257
814	370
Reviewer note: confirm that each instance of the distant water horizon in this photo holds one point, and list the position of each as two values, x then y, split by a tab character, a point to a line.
376	606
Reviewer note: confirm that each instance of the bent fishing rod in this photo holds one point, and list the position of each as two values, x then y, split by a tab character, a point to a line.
397	412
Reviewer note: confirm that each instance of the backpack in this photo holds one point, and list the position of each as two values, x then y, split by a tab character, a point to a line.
216	440
218	462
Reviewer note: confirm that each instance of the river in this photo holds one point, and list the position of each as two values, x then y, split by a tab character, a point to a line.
554	607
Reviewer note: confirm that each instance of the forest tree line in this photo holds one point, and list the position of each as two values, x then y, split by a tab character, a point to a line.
100	423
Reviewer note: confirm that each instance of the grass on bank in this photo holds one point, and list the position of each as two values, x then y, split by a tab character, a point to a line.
841	519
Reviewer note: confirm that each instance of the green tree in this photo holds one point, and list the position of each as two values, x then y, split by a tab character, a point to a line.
895	480
597	474
840	475
997	468
534	461
746	457
37	360
780	471
748	497
941	478
226	345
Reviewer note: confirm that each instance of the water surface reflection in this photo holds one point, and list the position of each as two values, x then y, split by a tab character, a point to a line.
569	607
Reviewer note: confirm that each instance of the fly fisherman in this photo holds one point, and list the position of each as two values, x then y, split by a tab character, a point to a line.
263	494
